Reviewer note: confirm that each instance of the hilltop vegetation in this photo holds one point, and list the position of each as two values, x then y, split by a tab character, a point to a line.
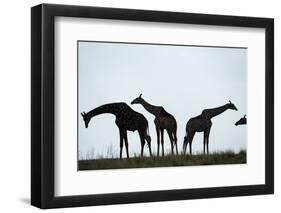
166	161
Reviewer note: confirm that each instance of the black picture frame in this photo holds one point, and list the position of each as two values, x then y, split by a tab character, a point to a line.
43	105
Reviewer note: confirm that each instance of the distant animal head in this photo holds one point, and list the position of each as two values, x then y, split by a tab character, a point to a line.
232	106
138	100
242	121
86	119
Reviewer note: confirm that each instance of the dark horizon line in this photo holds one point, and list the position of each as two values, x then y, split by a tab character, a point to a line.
182	45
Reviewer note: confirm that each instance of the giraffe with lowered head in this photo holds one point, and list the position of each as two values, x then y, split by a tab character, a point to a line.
163	121
242	121
126	119
203	123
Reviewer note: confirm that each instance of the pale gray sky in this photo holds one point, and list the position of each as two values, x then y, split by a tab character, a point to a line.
183	79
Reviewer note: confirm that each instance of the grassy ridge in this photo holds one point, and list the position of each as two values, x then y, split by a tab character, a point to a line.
166	161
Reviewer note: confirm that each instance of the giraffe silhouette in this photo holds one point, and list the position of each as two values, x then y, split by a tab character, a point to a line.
203	123
126	120
163	121
242	121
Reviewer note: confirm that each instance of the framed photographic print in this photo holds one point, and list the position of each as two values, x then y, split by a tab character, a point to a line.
140	106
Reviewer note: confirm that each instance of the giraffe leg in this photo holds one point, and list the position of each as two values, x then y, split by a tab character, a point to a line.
148	140
162	140
121	142
142	139
204	143
172	142
158	140
176	142
206	140
189	140
150	153
185	140
126	144
142	145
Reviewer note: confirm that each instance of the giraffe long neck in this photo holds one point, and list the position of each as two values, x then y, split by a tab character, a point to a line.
155	110
107	108
216	111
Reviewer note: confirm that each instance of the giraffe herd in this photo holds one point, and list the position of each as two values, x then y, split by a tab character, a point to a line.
129	120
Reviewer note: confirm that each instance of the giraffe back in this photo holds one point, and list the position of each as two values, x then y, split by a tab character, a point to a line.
131	119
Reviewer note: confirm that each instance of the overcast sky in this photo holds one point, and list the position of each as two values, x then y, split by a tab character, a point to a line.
183	79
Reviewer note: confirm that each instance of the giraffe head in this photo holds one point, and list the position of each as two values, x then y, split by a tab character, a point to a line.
86	119
242	121
138	100
232	106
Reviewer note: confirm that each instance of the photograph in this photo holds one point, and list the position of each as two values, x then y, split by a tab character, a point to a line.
143	105
150	105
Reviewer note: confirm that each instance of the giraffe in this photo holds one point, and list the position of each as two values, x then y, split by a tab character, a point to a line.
163	121
242	121
126	120
203	123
